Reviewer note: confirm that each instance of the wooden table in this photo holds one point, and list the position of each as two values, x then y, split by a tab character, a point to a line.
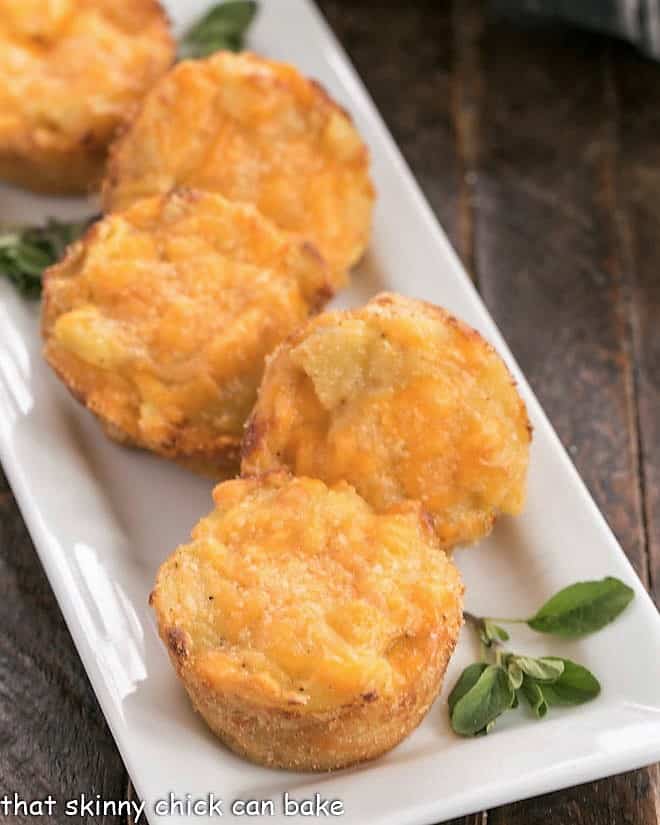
540	152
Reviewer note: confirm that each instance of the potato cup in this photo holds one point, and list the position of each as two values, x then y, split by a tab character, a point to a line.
71	72
257	132
160	319
403	401
309	632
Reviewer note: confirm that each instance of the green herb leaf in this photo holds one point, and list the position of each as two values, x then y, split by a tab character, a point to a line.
26	252
223	27
575	686
466	681
534	695
487	699
546	669
515	673
493	633
582	608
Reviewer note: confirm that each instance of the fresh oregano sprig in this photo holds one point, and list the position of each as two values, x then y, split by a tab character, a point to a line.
577	610
25	252
487	689
223	27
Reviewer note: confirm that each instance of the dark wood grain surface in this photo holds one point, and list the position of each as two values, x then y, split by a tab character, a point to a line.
539	149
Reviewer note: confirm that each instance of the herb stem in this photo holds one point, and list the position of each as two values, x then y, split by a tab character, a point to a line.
505	621
470	618
484	650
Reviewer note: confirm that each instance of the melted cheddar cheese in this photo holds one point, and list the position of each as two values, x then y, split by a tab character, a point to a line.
70	73
161	318
404	402
295	595
257	132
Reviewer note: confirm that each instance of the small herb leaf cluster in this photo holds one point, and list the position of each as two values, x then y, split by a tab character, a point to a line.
223	27
486	689
491	633
26	252
482	694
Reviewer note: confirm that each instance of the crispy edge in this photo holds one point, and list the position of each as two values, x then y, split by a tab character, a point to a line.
220	462
313	742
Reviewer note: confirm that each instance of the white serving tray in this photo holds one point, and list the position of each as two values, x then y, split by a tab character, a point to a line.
103	518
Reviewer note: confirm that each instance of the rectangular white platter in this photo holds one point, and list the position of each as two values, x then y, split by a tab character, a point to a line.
103	518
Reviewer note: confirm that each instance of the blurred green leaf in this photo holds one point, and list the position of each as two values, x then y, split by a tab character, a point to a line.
25	253
223	27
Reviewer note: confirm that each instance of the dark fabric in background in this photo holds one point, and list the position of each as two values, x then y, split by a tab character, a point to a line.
637	21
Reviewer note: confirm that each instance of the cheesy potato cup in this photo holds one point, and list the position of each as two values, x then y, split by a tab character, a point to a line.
70	73
309	632
258	132
160	318
403	401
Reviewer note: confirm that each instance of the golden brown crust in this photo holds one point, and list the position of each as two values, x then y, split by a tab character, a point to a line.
220	465
320	741
403	401
160	318
256	131
310	633
70	74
